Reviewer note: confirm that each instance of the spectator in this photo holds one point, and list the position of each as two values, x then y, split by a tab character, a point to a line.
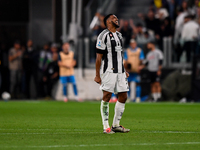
161	13
54	48
30	64
126	31
172	6
51	75
99	26
178	30
164	31
154	61
151	22
142	36
66	63
15	66
194	9
45	57
189	36
184	6
133	64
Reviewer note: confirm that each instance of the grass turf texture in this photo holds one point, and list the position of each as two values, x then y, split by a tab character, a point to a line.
59	125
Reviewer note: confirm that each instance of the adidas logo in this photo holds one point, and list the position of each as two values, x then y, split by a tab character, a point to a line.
112	38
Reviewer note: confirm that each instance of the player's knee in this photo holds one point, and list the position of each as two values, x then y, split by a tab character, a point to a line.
107	96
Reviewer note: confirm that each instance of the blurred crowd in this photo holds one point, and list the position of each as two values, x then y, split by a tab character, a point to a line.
22	63
178	19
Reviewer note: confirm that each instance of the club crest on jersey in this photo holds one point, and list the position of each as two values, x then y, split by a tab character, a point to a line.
110	34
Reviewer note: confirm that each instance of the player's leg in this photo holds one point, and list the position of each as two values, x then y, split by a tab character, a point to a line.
72	80
153	76
63	81
122	88
153	91
131	88
158	90
138	88
108	81
138	92
157	87
105	109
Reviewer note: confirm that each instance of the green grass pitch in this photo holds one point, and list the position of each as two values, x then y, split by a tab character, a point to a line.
47	125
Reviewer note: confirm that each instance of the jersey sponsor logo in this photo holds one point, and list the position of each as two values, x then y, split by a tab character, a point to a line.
112	38
118	48
99	44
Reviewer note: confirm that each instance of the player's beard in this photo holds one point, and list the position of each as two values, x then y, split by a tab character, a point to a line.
115	25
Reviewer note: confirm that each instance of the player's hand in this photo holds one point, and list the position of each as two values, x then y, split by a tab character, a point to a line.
67	66
127	74
97	79
158	72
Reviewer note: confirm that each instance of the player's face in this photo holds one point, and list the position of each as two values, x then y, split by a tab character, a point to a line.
30	43
66	48
133	45
114	21
150	46
17	46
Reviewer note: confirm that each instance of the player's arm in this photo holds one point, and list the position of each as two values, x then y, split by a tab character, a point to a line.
125	62
61	64
100	50
74	62
98	65
160	63
160	67
142	57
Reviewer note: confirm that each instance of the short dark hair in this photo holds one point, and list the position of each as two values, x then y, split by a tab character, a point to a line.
152	42
106	17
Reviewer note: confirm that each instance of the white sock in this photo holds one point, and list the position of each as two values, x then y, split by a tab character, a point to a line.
158	95
105	114
119	110
154	95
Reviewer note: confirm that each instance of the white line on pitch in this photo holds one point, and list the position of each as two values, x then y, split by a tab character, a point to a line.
103	145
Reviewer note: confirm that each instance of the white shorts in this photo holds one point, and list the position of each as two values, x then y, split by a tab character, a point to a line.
114	82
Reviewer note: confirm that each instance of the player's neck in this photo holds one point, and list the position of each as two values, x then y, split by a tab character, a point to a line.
112	29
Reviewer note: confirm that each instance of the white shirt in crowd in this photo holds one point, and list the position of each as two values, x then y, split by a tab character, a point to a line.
190	31
179	26
153	58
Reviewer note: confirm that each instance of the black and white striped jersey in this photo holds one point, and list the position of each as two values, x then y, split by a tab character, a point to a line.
110	45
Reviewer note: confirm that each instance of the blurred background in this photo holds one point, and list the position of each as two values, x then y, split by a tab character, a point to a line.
40	27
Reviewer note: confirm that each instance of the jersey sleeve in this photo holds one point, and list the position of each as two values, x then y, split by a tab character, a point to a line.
141	55
160	54
101	43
